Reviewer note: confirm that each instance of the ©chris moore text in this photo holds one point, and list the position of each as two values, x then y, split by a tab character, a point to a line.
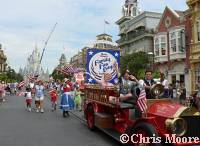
138	138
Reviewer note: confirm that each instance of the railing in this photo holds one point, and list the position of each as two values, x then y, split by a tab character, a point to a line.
195	48
132	35
162	58
177	55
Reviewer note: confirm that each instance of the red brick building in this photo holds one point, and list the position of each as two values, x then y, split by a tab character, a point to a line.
171	45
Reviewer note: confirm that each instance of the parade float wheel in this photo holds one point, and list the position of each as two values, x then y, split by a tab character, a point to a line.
90	117
147	130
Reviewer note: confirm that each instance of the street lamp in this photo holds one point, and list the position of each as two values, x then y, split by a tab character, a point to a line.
151	59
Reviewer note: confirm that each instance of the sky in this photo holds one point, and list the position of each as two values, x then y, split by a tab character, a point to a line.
27	23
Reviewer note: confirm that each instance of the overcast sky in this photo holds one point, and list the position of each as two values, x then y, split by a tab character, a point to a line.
25	23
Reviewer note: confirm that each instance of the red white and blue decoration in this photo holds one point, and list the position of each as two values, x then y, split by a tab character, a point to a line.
102	65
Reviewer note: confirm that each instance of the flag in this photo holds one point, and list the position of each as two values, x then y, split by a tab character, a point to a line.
20	94
106	22
70	69
142	101
62	71
30	77
21	84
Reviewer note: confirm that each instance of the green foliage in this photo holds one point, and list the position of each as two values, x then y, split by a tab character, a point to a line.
156	74
137	63
57	76
141	73
10	76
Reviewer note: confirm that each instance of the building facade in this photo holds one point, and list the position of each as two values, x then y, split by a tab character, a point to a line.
171	46
137	31
103	41
62	61
194	6
3	59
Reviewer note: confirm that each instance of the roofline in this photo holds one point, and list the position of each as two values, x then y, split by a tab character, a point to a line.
103	34
173	11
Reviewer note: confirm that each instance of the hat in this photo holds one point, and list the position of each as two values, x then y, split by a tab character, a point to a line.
66	79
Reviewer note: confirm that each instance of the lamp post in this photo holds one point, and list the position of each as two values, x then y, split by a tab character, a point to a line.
151	59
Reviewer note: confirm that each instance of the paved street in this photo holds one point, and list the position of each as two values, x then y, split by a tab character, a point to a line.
18	127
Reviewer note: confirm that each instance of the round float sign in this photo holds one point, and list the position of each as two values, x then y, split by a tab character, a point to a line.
102	66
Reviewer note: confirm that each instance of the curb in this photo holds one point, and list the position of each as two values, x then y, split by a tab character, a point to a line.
82	120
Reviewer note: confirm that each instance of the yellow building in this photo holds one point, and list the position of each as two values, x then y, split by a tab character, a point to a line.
194	6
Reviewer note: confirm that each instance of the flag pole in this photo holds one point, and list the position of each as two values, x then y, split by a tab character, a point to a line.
104	26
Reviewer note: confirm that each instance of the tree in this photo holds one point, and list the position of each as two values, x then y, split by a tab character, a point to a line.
10	76
137	63
57	76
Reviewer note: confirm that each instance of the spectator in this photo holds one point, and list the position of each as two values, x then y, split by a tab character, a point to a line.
39	96
148	82
165	83
182	96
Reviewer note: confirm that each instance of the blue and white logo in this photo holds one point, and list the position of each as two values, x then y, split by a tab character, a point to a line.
102	66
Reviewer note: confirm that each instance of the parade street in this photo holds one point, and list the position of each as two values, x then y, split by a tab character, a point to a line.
21	128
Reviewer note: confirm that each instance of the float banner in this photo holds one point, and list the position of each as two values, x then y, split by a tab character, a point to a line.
102	66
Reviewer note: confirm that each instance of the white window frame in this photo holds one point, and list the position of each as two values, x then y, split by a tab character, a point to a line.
176	31
198	30
156	43
159	37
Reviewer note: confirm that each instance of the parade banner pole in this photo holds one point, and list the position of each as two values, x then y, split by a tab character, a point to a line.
47	42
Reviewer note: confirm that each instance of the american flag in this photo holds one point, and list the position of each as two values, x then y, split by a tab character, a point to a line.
30	77
21	84
69	69
142	101
20	94
62	71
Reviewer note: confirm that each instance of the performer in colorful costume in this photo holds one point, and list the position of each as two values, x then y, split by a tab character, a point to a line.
67	102
77	99
54	96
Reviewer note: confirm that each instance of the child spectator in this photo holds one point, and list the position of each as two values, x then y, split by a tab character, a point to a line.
28	98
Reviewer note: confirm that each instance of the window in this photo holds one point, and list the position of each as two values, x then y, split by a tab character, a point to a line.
173	41
198	31
160	45
163	45
181	40
156	47
177	41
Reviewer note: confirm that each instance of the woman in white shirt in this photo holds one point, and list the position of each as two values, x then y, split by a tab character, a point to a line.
39	96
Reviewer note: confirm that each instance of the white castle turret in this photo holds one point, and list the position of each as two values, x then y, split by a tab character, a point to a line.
33	66
33	63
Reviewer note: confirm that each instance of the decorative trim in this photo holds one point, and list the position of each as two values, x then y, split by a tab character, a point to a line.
168	22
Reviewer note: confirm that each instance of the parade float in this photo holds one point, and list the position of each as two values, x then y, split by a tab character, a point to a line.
164	122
